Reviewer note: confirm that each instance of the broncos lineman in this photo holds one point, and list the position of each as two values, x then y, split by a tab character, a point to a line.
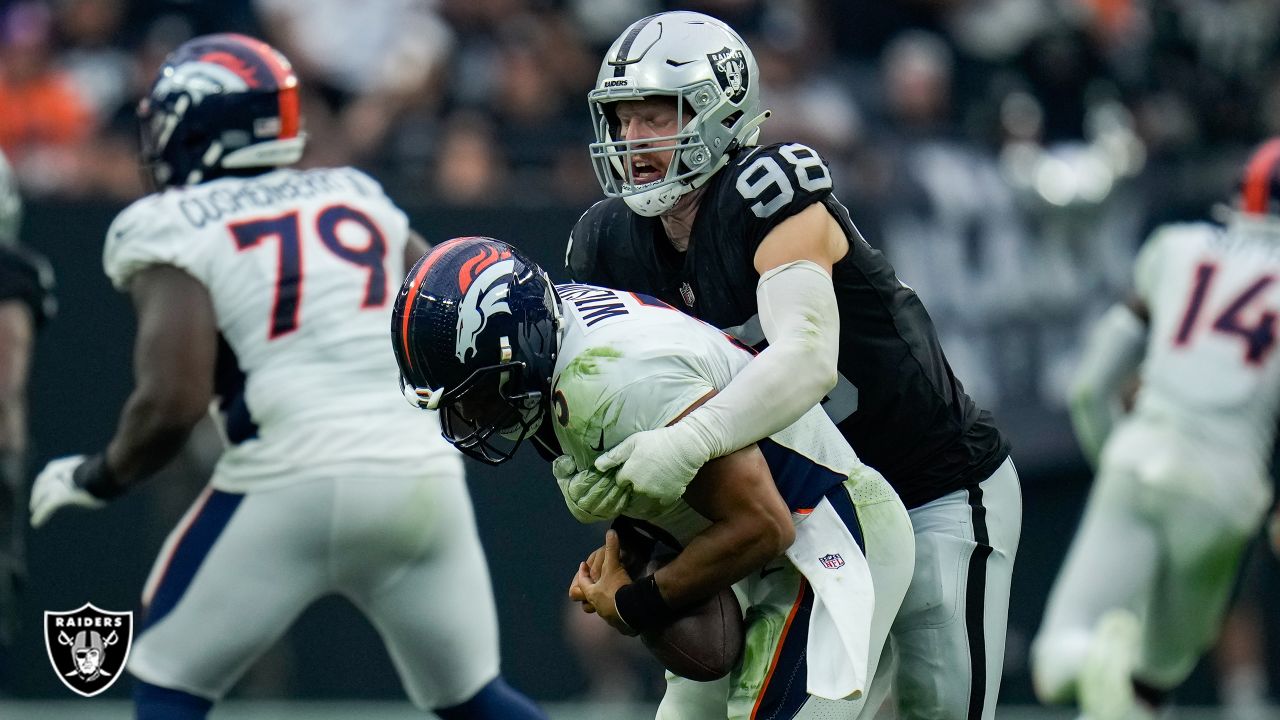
26	303
480	334
752	240
327	486
1183	481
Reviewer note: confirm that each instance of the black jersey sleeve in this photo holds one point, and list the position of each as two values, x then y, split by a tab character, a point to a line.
26	275
582	257
769	184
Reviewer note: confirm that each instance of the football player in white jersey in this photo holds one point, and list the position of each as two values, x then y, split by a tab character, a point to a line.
327	485
817	546
1183	479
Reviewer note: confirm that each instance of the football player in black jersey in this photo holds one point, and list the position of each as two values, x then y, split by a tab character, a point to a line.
26	302
751	239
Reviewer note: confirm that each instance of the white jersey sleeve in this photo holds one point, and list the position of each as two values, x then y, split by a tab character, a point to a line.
144	234
1149	265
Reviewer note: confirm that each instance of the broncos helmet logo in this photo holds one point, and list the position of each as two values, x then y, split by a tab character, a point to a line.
483	281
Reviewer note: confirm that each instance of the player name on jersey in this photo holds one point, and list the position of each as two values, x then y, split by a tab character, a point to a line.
200	207
593	303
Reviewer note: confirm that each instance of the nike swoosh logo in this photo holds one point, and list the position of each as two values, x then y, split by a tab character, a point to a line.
600	447
674	63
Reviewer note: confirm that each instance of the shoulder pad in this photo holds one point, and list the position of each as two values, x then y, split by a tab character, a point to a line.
1148	266
142	234
778	180
582	254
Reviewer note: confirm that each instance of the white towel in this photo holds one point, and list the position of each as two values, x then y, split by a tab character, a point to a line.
839	642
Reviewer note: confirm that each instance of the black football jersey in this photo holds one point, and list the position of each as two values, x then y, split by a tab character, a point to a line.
897	401
26	275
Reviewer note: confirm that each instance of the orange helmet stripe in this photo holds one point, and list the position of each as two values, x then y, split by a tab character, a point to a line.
431	259
286	80
1258	176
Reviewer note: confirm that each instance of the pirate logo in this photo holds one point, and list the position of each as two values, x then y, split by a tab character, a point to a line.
88	647
730	67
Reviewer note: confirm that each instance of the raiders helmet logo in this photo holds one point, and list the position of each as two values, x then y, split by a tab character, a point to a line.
88	647
730	67
484	283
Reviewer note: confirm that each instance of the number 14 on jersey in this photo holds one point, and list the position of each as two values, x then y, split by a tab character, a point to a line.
1244	317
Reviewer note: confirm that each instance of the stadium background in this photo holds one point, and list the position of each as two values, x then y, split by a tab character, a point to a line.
1007	155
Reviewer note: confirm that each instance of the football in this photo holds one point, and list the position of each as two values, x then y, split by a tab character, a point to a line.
705	642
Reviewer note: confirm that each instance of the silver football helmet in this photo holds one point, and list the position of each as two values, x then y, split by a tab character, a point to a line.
10	204
709	70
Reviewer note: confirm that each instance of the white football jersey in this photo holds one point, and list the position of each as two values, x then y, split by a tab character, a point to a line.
1211	368
302	267
629	363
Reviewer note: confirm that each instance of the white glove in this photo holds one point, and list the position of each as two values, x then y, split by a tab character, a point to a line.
591	496
56	488
660	463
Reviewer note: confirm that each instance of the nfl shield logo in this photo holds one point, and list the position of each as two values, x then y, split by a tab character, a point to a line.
88	647
832	561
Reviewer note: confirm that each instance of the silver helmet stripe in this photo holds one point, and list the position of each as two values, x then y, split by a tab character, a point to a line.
621	61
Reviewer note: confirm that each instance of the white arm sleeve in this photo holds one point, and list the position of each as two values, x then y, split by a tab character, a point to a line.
1112	354
799	316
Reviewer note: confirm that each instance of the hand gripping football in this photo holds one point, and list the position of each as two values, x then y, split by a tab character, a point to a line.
705	642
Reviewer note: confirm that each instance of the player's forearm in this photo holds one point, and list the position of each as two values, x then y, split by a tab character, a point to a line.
800	319
153	429
1111	355
721	555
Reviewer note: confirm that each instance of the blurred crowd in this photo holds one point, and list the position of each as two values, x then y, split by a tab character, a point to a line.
1008	155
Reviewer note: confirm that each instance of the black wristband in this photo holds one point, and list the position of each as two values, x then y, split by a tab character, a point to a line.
640	605
94	477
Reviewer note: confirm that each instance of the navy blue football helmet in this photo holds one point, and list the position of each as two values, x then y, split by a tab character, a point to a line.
220	104
476	329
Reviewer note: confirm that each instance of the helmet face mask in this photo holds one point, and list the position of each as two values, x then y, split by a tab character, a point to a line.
714	80
490	414
476	330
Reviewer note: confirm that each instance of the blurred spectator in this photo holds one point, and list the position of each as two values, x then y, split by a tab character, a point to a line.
951	226
369	62
602	20
45	120
101	71
810	104
470	168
